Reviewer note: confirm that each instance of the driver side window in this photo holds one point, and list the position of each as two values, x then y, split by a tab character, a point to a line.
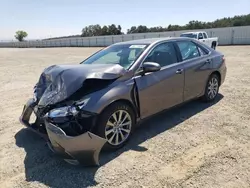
200	36
164	54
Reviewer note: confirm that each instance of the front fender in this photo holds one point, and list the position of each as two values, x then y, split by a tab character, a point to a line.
118	91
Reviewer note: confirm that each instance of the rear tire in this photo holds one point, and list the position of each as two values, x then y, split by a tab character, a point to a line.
116	124
212	88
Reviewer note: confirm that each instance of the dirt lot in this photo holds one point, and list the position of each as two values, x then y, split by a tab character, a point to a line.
196	145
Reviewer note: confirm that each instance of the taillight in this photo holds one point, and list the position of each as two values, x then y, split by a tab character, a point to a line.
223	59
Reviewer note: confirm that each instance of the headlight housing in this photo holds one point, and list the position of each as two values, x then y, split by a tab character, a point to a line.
68	110
81	103
62	112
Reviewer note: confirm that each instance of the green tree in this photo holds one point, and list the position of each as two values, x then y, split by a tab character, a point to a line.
105	30
97	30
132	30
20	35
242	20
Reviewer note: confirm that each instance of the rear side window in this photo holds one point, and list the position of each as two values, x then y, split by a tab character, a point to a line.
188	50
205	35
202	52
164	54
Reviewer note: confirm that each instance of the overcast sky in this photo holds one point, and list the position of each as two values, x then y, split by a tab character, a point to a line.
51	18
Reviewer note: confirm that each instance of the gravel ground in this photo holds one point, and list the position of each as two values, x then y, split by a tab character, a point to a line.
195	145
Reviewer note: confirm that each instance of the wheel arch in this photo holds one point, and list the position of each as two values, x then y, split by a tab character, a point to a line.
125	101
214	43
212	73
218	74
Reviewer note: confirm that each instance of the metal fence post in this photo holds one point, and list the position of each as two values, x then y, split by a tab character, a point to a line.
232	37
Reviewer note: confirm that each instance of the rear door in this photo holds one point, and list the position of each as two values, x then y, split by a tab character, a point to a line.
197	68
162	89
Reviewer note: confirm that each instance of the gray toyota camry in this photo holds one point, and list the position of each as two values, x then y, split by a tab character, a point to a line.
95	105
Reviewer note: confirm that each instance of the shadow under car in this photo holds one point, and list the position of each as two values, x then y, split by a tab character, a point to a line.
42	166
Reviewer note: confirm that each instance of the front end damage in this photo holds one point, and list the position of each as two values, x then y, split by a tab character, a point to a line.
63	138
58	105
83	149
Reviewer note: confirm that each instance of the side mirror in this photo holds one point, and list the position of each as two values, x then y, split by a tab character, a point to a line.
151	67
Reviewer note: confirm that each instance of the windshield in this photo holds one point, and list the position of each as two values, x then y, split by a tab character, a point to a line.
122	54
189	35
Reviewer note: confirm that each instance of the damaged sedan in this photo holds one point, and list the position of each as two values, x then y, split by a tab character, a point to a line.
95	105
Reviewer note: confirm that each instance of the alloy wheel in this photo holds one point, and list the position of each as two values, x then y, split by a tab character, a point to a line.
213	87
118	127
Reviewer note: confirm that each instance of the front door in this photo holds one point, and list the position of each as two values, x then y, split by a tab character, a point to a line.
162	89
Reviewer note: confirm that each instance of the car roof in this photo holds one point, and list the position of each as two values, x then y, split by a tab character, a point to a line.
150	40
191	32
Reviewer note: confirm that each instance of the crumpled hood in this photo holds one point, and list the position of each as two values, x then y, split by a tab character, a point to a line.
58	82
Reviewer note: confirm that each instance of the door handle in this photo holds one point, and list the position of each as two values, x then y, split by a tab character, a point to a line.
179	71
208	61
204	40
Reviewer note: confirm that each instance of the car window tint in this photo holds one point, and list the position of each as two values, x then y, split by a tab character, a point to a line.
133	54
188	50
164	54
202	52
200	36
122	54
205	35
111	57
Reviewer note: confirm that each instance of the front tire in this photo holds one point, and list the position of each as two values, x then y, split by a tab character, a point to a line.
116	124
212	88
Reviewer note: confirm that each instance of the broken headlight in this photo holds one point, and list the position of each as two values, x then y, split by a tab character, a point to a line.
68	110
63	112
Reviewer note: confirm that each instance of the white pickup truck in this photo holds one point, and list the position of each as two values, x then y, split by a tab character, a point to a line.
203	37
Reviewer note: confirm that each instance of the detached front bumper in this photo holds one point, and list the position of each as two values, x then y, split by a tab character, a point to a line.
83	149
